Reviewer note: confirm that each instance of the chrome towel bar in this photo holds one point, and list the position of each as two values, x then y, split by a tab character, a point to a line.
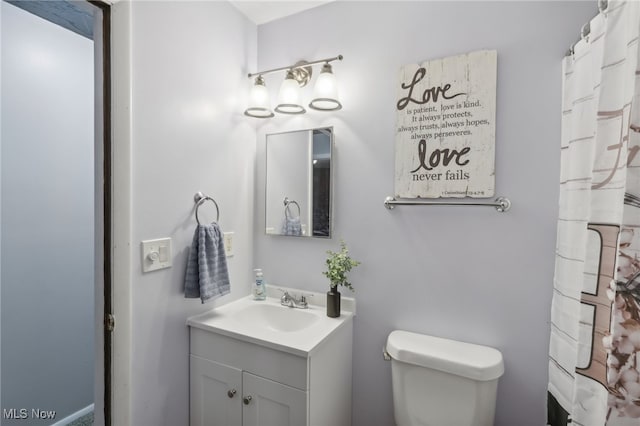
501	204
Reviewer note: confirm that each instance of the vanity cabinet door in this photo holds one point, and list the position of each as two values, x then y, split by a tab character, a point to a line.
215	393
269	403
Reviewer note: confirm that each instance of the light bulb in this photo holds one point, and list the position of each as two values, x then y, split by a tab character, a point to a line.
325	92
259	100
289	98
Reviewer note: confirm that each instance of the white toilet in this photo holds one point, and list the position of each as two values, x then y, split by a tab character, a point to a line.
441	382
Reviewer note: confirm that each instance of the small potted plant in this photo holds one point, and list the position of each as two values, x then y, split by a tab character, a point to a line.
338	265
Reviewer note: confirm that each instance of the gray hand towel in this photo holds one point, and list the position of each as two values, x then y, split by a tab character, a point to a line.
207	276
291	226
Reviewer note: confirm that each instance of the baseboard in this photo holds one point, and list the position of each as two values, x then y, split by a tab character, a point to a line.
74	416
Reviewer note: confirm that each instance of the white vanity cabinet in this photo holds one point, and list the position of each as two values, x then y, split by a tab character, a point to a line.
215	393
227	396
240	380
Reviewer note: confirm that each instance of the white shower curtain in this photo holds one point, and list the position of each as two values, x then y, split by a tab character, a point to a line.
594	353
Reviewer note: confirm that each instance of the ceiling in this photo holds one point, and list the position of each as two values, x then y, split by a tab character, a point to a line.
261	12
75	16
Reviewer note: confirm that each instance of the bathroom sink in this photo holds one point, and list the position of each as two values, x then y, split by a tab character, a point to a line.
268	323
278	318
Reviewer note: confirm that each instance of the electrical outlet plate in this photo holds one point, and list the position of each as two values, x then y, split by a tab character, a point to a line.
228	244
156	254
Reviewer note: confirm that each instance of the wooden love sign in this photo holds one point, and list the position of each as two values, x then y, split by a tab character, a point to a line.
445	132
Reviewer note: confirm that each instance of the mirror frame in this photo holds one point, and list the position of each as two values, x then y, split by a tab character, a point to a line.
331	181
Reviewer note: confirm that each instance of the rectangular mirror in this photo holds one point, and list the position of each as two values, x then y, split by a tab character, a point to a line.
298	183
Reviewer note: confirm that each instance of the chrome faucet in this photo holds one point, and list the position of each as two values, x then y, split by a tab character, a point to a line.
292	302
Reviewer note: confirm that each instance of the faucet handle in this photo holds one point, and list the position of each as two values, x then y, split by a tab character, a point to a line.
286	299
285	293
303	300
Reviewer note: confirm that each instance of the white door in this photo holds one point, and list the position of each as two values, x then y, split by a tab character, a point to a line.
269	403
215	394
56	148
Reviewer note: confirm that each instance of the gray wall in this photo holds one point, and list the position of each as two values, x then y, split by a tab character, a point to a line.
47	216
470	274
189	65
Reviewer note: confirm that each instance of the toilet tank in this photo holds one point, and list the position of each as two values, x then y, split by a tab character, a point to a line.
440	382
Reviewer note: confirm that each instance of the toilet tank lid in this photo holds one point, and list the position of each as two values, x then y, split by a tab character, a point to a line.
469	360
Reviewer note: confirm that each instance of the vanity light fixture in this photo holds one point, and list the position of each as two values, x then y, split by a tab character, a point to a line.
325	94
259	100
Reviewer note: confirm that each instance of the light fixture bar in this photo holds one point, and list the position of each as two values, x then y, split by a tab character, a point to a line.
291	67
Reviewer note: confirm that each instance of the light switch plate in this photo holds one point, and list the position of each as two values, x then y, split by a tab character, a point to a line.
156	254
228	244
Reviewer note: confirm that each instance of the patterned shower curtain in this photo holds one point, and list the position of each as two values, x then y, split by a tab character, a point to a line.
594	353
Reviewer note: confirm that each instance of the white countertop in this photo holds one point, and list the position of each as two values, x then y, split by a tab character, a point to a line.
232	320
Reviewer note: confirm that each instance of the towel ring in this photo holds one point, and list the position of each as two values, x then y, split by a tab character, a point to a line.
200	199
286	205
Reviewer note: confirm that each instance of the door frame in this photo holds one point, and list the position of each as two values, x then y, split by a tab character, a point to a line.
103	201
119	247
113	316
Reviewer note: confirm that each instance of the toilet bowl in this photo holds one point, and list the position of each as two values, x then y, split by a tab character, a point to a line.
442	382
